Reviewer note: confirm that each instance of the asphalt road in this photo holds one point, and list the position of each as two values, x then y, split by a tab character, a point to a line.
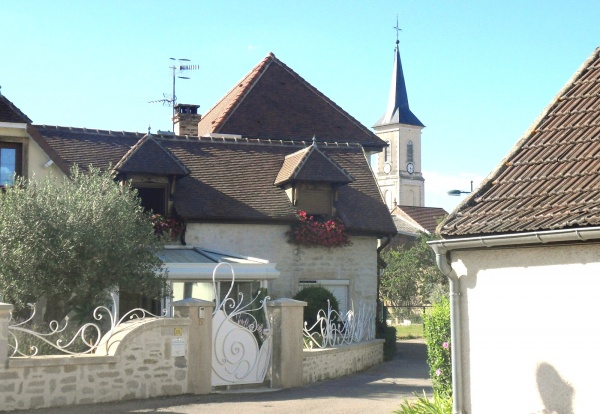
376	390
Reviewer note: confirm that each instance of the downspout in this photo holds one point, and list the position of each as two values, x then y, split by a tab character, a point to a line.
455	338
382	245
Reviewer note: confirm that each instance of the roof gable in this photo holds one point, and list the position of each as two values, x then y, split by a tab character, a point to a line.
10	113
273	101
551	178
310	164
426	217
147	156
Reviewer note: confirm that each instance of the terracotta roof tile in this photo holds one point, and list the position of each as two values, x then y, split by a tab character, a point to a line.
426	217
551	178
406	225
273	101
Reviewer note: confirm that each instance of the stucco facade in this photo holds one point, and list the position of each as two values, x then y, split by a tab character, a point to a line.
356	263
34	158
527	321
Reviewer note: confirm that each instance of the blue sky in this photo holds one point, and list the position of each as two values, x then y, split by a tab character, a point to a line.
478	73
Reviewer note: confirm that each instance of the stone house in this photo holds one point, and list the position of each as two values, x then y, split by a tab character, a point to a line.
522	254
237	176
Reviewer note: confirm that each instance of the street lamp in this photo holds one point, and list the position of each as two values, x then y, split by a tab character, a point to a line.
459	192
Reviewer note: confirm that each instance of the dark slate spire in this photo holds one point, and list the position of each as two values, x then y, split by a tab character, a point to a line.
398	111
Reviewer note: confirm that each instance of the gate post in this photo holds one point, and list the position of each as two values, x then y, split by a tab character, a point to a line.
199	347
288	322
5	309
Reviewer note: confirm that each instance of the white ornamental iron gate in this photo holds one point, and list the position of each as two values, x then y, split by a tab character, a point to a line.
241	334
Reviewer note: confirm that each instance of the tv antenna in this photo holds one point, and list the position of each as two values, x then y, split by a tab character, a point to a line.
180	66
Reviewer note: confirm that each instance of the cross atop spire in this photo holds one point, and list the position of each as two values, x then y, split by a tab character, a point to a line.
398	30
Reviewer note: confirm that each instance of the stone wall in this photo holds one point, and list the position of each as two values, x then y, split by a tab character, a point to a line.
329	363
143	358
138	365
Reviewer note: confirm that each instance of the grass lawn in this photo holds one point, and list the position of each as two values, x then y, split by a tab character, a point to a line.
409	331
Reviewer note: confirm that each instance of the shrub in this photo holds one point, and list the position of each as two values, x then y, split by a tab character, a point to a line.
436	331
316	298
389	346
438	405
383	331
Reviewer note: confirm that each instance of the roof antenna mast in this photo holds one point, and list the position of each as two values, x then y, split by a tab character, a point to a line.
179	67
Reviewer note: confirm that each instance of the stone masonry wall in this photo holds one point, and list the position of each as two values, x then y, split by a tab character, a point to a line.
356	263
139	364
329	363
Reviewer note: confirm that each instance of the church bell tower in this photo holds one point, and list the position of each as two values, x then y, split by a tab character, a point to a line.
398	167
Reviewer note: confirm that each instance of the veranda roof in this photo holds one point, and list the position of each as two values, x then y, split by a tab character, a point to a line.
187	263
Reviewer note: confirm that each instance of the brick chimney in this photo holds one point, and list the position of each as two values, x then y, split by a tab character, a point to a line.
186	119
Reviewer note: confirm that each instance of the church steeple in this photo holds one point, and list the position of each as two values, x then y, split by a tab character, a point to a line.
398	169
398	111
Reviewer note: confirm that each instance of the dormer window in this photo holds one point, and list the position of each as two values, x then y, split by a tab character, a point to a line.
11	162
153	197
314	198
152	170
311	179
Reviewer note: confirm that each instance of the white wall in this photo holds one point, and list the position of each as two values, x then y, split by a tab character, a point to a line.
357	263
529	317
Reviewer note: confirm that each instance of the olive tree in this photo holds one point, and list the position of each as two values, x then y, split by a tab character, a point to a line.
72	240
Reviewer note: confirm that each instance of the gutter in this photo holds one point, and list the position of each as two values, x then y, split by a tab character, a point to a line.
537	237
442	249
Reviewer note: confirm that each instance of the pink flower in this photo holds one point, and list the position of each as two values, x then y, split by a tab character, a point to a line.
438	372
446	345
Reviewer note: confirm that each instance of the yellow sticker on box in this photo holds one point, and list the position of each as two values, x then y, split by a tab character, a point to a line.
178	331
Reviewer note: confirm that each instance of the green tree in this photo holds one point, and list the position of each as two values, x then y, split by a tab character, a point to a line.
411	276
72	240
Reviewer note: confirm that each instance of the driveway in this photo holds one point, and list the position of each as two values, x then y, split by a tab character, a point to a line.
379	389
